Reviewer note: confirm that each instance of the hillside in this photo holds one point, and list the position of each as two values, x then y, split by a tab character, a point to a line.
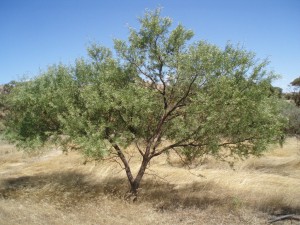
55	188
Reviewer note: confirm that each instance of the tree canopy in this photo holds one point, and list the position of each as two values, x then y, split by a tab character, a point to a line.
296	82
158	92
296	93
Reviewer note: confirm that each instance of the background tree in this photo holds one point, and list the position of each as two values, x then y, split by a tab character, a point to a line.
296	82
160	93
292	113
4	91
296	94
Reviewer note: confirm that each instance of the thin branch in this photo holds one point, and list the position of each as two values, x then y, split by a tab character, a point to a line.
179	155
187	92
121	156
111	158
180	102
157	142
139	149
116	161
129	127
130	157
177	144
155	175
171	117
239	141
163	93
160	75
187	165
197	175
286	217
193	144
144	73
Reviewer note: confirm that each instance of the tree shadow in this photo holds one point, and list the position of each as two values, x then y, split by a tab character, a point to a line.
197	195
67	189
72	188
64	189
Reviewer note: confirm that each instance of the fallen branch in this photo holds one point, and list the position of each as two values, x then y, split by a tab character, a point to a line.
285	217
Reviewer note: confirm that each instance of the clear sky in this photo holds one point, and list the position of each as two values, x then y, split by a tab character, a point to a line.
37	33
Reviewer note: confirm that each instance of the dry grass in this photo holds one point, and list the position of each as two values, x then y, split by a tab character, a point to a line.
54	188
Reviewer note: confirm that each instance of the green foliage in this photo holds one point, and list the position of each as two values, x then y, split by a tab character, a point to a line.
160	91
292	113
296	94
277	91
4	91
296	82
34	107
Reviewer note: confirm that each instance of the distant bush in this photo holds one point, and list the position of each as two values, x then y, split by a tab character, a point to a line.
296	94
4	91
292	113
293	96
2	107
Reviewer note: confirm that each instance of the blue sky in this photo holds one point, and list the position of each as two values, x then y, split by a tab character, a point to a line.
37	33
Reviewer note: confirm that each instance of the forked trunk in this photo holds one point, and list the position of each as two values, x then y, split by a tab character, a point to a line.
134	182
134	186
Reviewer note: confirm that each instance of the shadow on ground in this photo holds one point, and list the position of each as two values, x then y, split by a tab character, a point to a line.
67	189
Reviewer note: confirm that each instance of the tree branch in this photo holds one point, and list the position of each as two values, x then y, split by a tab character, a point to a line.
193	144
163	92
160	75
286	217
236	142
139	149
182	99
188	90
121	156
155	175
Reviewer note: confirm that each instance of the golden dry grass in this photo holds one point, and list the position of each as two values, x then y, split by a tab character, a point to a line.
54	188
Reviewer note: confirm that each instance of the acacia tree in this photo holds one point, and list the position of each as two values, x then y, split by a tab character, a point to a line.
159	93
296	94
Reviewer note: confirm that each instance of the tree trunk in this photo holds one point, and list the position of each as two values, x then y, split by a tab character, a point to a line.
134	188
137	181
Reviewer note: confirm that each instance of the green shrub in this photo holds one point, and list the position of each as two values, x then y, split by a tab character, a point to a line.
292	113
